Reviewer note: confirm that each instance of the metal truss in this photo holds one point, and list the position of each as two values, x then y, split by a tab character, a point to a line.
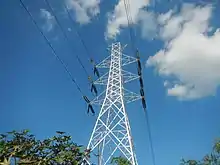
128	97
111	136
125	60
126	77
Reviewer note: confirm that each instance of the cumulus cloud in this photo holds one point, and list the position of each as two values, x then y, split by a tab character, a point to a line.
190	60
163	18
118	18
148	24
84	10
48	18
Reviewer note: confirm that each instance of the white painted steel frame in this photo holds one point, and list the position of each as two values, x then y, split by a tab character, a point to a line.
112	133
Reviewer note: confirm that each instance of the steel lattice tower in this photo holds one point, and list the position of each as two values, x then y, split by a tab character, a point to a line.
111	136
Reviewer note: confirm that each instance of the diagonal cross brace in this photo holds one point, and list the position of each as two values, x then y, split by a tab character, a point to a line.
128	97
126	77
126	60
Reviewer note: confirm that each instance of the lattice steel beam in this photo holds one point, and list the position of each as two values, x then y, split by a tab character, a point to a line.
112	133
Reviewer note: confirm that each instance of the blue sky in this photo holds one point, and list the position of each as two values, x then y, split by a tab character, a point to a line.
178	42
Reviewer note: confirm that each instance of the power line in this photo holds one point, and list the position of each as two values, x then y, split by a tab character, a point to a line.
53	50
150	137
95	69
129	19
77	32
67	39
130	22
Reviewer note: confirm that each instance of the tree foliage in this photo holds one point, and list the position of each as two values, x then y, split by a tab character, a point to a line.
120	161
212	159
23	148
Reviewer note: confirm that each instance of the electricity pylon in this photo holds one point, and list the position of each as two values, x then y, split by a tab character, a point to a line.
111	136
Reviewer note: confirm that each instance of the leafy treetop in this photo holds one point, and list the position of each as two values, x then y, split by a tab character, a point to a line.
212	159
23	148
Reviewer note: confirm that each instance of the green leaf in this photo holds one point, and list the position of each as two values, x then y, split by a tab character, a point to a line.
26	131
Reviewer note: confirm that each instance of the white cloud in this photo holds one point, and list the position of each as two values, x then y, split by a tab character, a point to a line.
190	57
148	24
48	18
84	10
163	18
118	18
